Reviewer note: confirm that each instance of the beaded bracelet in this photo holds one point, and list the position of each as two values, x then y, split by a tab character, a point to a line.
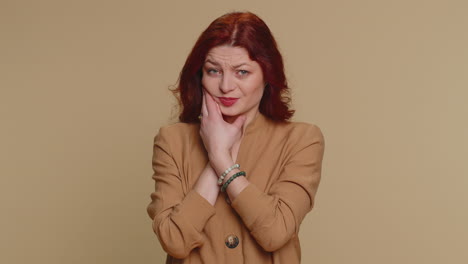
225	185
221	178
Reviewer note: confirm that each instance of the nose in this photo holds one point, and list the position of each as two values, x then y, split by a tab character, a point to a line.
227	83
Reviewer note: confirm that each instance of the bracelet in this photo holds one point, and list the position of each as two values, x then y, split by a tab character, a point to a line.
225	185
221	178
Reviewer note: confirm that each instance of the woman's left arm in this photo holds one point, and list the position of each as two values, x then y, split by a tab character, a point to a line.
273	218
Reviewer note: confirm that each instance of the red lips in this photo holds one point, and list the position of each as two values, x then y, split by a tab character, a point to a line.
228	101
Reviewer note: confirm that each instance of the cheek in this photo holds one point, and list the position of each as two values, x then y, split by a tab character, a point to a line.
203	82
255	94
209	84
259	93
256	89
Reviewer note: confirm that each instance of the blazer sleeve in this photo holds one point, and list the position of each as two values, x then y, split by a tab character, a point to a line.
274	218
178	218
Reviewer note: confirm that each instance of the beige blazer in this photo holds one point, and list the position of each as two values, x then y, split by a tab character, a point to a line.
283	164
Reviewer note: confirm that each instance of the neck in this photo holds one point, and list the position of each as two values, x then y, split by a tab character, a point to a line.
250	116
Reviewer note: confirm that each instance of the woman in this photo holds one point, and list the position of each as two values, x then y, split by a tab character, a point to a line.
234	178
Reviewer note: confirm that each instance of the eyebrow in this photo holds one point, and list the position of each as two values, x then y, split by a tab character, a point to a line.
217	64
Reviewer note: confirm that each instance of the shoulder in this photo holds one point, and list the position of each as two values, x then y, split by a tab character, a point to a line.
300	131
293	137
178	128
305	140
177	132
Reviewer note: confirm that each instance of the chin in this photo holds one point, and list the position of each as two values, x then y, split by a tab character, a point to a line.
229	114
230	111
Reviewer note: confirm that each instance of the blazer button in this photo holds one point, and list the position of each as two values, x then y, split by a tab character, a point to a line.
231	241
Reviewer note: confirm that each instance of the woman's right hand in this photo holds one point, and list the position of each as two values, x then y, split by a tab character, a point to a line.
218	135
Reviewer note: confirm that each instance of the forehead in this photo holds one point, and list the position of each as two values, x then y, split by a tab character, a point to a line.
228	54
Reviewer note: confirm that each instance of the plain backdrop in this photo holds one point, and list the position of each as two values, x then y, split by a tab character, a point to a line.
84	90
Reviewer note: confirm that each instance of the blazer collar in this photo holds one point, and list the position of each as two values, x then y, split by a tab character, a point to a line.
256	124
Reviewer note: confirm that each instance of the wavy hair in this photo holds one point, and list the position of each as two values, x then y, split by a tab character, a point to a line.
237	29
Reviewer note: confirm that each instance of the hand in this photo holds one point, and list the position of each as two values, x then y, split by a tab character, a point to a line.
219	136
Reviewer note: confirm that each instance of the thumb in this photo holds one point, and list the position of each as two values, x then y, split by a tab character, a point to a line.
240	121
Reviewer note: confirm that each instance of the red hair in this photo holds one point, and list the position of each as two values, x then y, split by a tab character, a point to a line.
237	29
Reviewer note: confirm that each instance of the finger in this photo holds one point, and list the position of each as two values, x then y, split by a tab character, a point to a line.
219	109
204	110
240	121
211	104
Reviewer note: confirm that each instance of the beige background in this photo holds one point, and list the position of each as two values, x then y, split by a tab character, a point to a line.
84	91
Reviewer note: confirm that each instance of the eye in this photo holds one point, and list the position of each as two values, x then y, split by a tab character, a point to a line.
212	71
243	72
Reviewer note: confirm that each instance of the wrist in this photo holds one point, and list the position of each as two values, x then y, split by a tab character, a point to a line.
221	163
226	173
219	154
230	174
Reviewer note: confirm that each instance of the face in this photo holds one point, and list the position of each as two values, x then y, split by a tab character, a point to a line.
234	80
